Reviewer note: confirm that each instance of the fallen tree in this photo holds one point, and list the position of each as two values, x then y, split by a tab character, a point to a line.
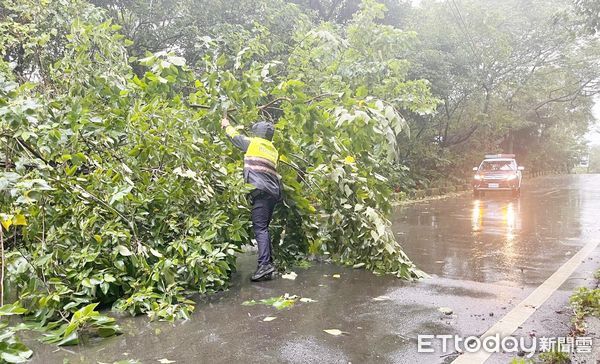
119	189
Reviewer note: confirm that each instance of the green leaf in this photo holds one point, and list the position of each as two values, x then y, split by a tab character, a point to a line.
72	339
124	251
12	309
177	61
15	356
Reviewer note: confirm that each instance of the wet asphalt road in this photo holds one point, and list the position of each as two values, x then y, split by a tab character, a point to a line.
484	256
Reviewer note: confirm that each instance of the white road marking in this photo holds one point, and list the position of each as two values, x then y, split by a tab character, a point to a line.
518	315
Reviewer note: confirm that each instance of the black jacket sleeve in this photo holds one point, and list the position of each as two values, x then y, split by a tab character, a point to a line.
240	141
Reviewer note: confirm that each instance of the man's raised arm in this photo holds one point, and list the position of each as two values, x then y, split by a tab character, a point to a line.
240	141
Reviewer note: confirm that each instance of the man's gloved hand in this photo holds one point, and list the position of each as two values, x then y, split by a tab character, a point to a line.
224	123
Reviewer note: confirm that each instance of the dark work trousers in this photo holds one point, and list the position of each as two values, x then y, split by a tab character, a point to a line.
263	205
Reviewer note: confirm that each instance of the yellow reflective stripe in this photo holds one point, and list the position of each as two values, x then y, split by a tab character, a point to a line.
231	131
262	148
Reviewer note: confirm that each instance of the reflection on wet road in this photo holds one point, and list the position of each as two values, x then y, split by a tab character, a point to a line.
498	238
484	256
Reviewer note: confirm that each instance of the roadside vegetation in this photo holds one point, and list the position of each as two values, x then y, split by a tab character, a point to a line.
119	191
585	302
594	159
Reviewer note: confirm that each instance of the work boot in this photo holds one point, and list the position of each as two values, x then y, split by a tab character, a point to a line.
263	272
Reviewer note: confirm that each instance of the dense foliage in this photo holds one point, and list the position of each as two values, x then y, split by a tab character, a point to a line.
516	76
589	14
118	188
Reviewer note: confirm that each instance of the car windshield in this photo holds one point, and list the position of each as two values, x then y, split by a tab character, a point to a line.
491	166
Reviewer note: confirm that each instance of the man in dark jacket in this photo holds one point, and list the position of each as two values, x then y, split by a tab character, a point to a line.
260	170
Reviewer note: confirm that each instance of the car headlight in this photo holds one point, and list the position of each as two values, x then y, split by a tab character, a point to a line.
511	177
477	177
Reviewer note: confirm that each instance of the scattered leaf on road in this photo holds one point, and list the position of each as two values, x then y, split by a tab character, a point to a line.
382	298
165	361
291	276
306	299
334	332
269	318
279	302
446	310
336	276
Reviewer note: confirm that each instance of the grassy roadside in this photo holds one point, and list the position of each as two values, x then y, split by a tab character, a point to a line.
585	303
410	201
440	193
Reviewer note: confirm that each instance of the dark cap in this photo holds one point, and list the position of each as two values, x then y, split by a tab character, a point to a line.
263	129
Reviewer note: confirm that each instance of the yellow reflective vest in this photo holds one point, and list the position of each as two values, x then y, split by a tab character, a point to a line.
260	162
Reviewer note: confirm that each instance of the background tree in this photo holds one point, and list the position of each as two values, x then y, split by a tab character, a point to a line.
594	159
504	75
589	11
